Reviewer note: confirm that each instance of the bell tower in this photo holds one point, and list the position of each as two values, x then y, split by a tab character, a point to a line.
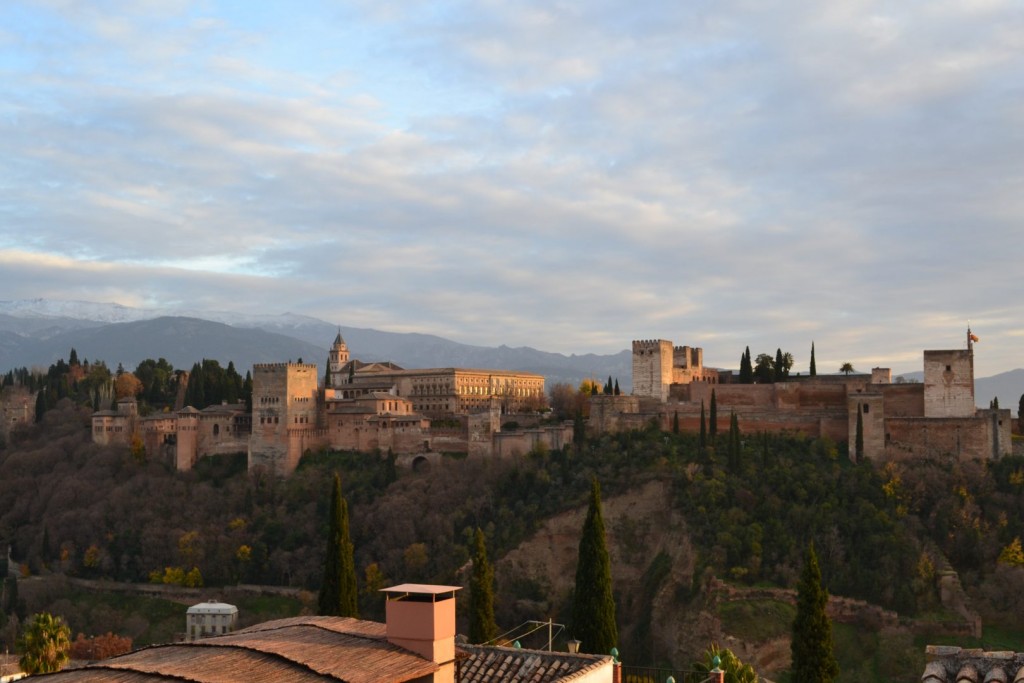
337	359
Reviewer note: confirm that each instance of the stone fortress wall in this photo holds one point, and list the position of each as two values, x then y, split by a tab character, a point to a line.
937	416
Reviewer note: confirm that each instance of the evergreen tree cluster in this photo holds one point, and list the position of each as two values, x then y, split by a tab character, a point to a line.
209	384
766	369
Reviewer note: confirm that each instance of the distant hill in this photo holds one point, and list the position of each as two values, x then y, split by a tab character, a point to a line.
182	341
39	331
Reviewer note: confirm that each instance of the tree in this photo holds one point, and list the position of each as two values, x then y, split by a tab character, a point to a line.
338	593
482	628
713	418
1012	554
703	442
593	608
814	366
782	364
45	644
734	442
735	670
994	403
846	368
746	368
617	392
764	369
859	439
675	422
813	659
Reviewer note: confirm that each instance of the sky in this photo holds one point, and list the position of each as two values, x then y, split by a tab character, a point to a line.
563	175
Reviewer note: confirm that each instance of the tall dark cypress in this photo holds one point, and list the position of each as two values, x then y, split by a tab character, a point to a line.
812	647
482	627
814	366
746	368
338	594
713	418
703	428
734	442
593	607
859	437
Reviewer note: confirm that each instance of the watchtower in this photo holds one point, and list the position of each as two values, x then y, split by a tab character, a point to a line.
652	368
949	382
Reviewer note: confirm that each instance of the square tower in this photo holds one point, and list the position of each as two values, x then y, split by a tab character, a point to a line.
284	397
652	368
949	383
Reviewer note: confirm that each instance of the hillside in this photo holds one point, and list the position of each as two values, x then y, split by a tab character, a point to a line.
676	516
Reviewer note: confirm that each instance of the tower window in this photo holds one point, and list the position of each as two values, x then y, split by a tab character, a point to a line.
866	406
949	368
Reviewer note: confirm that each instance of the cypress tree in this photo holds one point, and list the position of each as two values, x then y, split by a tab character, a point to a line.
390	468
734	442
616	387
813	659
482	628
746	368
859	442
780	366
703	442
40	405
814	366
593	608
713	418
338	594
675	422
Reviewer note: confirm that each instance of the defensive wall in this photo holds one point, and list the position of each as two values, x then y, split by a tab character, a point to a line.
894	420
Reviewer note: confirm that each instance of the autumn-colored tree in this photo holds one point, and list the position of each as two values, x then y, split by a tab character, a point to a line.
100	647
1012	554
127	385
45	644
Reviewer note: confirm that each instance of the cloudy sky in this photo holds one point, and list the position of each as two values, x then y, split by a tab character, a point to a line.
564	175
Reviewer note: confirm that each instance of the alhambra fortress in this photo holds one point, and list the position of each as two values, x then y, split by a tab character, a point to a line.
377	407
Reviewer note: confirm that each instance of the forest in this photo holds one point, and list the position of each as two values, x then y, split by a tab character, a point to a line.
70	506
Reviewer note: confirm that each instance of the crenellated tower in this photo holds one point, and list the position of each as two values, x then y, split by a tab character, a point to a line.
652	368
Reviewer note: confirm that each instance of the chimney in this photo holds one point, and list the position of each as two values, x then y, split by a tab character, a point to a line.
421	618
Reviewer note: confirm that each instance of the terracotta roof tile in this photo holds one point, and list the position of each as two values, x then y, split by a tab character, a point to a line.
297	649
487	664
950	664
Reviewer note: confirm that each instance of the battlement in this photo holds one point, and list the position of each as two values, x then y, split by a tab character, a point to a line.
273	367
649	344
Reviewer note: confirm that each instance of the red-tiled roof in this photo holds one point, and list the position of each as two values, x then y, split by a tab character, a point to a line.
297	649
487	664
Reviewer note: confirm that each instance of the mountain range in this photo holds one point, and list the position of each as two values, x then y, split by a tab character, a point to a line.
38	332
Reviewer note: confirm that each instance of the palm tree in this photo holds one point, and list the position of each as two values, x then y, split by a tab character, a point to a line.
45	644
846	368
